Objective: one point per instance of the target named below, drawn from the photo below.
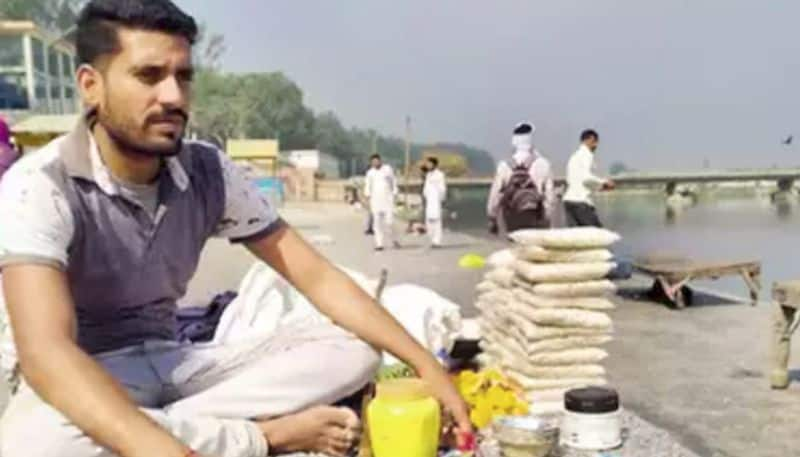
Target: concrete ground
(700, 373)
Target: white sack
(568, 238)
(432, 320)
(563, 372)
(539, 254)
(546, 396)
(562, 272)
(541, 408)
(558, 317)
(266, 301)
(501, 259)
(596, 304)
(486, 286)
(503, 277)
(569, 290)
(583, 356)
(562, 344)
(534, 332)
(529, 384)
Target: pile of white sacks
(544, 307)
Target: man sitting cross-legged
(101, 232)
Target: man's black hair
(98, 21)
(434, 161)
(588, 134)
(523, 129)
(374, 156)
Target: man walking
(435, 192)
(581, 181)
(102, 231)
(381, 189)
(522, 194)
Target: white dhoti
(434, 228)
(435, 191)
(381, 188)
(383, 228)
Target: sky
(669, 84)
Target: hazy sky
(667, 83)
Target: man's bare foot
(324, 429)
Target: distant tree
(617, 168)
(257, 105)
(215, 115)
(451, 163)
(331, 137)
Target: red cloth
(8, 155)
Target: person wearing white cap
(522, 194)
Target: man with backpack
(522, 194)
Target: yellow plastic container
(404, 420)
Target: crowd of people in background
(522, 195)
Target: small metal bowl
(527, 436)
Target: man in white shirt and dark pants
(581, 182)
(435, 192)
(381, 190)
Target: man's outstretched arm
(63, 375)
(341, 299)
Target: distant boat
(788, 141)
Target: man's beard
(119, 132)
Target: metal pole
(408, 157)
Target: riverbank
(698, 374)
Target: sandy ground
(700, 374)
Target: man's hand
(443, 388)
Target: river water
(735, 227)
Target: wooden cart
(673, 274)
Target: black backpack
(521, 196)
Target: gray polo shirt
(127, 266)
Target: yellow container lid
(403, 390)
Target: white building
(37, 72)
(316, 161)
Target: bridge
(785, 176)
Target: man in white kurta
(381, 190)
(435, 192)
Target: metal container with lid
(528, 436)
(592, 419)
